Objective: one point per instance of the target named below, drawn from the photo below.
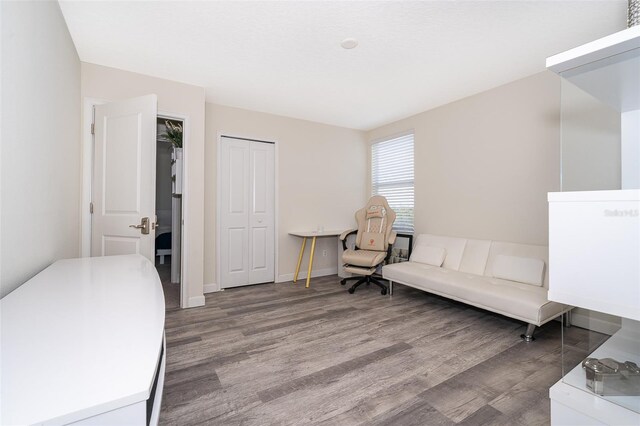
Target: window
(392, 177)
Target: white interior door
(261, 213)
(234, 212)
(124, 176)
(247, 212)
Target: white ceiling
(285, 57)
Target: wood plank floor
(282, 354)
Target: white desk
(313, 235)
(82, 341)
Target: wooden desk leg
(304, 243)
(313, 249)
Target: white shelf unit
(607, 68)
(621, 346)
(594, 250)
(594, 236)
(573, 404)
(83, 343)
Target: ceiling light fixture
(349, 43)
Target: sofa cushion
(521, 269)
(520, 250)
(366, 258)
(474, 258)
(428, 254)
(454, 248)
(405, 272)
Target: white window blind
(392, 177)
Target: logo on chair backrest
(372, 242)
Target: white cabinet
(594, 250)
(594, 226)
(83, 343)
(176, 170)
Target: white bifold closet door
(247, 212)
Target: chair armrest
(344, 235)
(392, 237)
(391, 241)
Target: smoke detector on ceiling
(349, 43)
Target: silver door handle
(143, 227)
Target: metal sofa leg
(390, 288)
(566, 319)
(528, 335)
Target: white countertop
(80, 338)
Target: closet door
(262, 215)
(234, 212)
(247, 212)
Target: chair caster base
(366, 280)
(343, 281)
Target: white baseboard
(303, 275)
(195, 301)
(210, 288)
(595, 324)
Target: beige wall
(321, 173)
(484, 164)
(40, 141)
(173, 98)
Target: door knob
(143, 227)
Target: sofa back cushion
(428, 254)
(474, 258)
(454, 248)
(527, 251)
(521, 269)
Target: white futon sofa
(507, 278)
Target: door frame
(274, 141)
(87, 179)
(185, 196)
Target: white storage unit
(83, 343)
(176, 171)
(594, 250)
(594, 236)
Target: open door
(124, 178)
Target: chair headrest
(375, 211)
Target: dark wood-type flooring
(282, 354)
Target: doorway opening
(119, 217)
(169, 178)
